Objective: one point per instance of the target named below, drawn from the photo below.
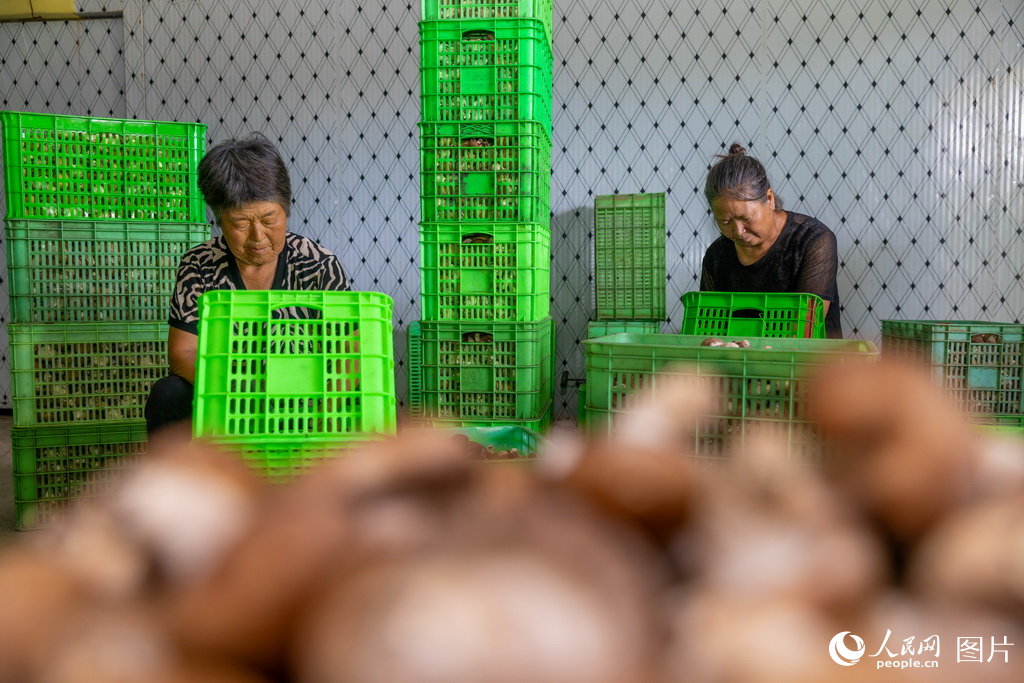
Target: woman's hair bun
(737, 150)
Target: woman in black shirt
(762, 247)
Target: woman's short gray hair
(237, 172)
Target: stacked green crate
(99, 213)
(483, 353)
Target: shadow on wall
(572, 299)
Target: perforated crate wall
(629, 256)
(499, 272)
(980, 365)
(754, 314)
(489, 9)
(484, 373)
(84, 372)
(101, 169)
(275, 366)
(485, 172)
(92, 271)
(57, 468)
(485, 70)
(755, 386)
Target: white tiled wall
(896, 123)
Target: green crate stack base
(84, 372)
(95, 271)
(485, 70)
(72, 167)
(540, 425)
(483, 374)
(753, 314)
(323, 374)
(485, 172)
(756, 386)
(499, 272)
(282, 458)
(447, 10)
(984, 378)
(504, 438)
(56, 469)
(629, 256)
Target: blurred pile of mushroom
(612, 561)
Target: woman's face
(255, 232)
(747, 224)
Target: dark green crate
(629, 256)
(294, 366)
(56, 469)
(755, 386)
(448, 10)
(485, 70)
(84, 372)
(93, 271)
(981, 377)
(483, 373)
(59, 167)
(731, 315)
(485, 172)
(499, 272)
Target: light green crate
(294, 365)
(60, 167)
(629, 256)
(731, 315)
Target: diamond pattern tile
(899, 124)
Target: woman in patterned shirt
(246, 185)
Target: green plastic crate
(753, 314)
(485, 70)
(485, 172)
(755, 386)
(984, 378)
(294, 366)
(504, 438)
(581, 405)
(101, 169)
(483, 373)
(1008, 425)
(56, 469)
(499, 272)
(602, 328)
(488, 9)
(92, 271)
(84, 372)
(629, 256)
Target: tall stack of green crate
(483, 353)
(99, 213)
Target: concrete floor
(7, 533)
